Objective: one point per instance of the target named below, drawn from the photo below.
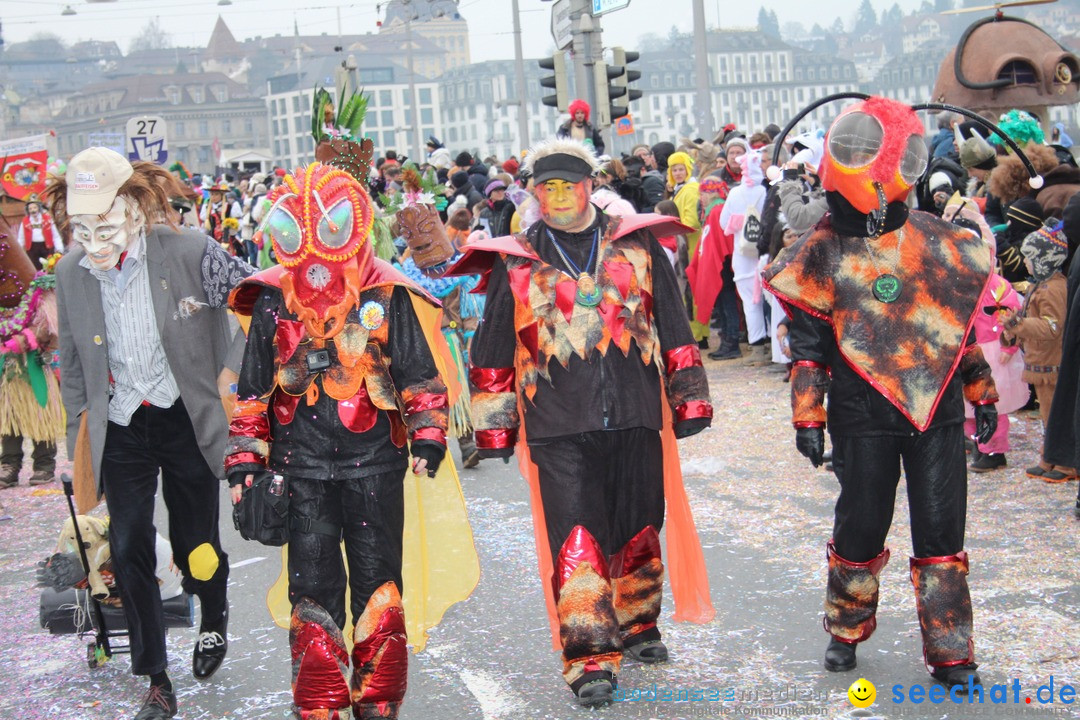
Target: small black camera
(318, 360)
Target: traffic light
(619, 92)
(607, 88)
(558, 81)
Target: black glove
(986, 420)
(810, 442)
(691, 426)
(431, 451)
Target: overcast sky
(190, 22)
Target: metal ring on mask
(1035, 180)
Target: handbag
(262, 514)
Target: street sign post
(561, 25)
(599, 7)
(146, 139)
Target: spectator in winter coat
(460, 181)
(438, 155)
(652, 183)
(579, 128)
(1039, 327)
(476, 170)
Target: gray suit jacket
(181, 264)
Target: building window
(226, 126)
(222, 94)
(298, 125)
(249, 126)
(453, 135)
(174, 96)
(179, 129)
(425, 96)
(427, 116)
(277, 131)
(388, 139)
(387, 118)
(385, 98)
(197, 94)
(204, 128)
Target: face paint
(106, 237)
(562, 203)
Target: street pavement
(764, 515)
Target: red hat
(511, 166)
(579, 104)
(280, 172)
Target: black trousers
(611, 482)
(162, 440)
(371, 514)
(44, 453)
(868, 469)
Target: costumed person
(1006, 363)
(710, 277)
(30, 406)
(585, 360)
(343, 353)
(579, 128)
(216, 215)
(741, 218)
(1039, 326)
(144, 335)
(462, 309)
(39, 239)
(882, 303)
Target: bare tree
(152, 37)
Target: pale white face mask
(106, 237)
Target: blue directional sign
(599, 7)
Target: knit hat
(511, 166)
(1024, 215)
(493, 186)
(463, 159)
(938, 180)
(459, 179)
(1046, 248)
(736, 141)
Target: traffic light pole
(519, 81)
(587, 49)
(703, 98)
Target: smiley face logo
(862, 693)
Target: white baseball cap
(93, 178)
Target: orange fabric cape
(684, 558)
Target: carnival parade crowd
(312, 336)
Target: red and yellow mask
(875, 145)
(319, 223)
(563, 203)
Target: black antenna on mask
(1034, 180)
